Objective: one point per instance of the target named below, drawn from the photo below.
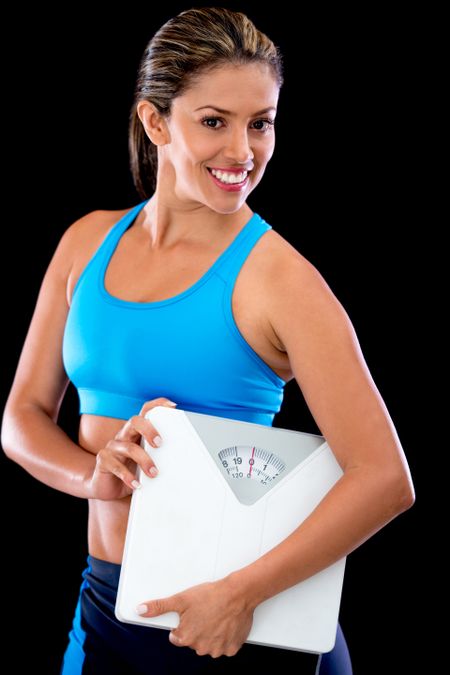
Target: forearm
(359, 505)
(33, 440)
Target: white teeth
(230, 178)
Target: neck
(169, 221)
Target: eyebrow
(228, 112)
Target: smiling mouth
(229, 177)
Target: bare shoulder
(281, 257)
(81, 240)
(293, 285)
(90, 229)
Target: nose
(238, 147)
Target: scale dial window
(250, 470)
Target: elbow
(7, 445)
(405, 498)
(402, 495)
(408, 497)
(9, 435)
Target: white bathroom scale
(227, 492)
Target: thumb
(160, 606)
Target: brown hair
(188, 45)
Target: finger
(108, 464)
(152, 436)
(148, 405)
(138, 425)
(127, 450)
(135, 428)
(161, 606)
(175, 639)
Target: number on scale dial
(251, 463)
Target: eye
(210, 122)
(210, 119)
(269, 123)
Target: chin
(231, 208)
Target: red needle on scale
(251, 465)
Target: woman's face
(222, 122)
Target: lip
(229, 169)
(236, 187)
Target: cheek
(199, 146)
(267, 150)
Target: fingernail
(171, 403)
(141, 609)
(135, 484)
(153, 471)
(157, 440)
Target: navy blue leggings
(99, 644)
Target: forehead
(231, 86)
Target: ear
(153, 122)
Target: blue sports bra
(120, 354)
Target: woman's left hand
(215, 617)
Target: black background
(342, 187)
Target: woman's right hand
(114, 474)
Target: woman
(191, 297)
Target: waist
(107, 572)
(107, 526)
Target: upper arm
(40, 378)
(330, 369)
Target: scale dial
(248, 462)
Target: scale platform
(227, 492)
